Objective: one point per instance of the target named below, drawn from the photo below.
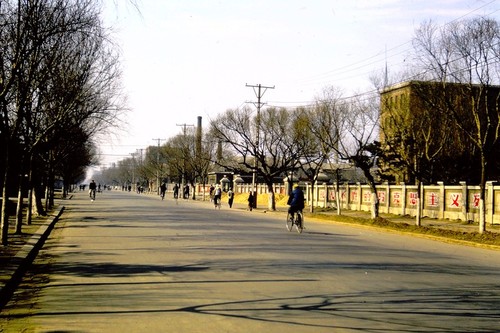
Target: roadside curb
(24, 257)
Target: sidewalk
(21, 251)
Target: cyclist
(92, 188)
(163, 189)
(296, 201)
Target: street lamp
(224, 183)
(237, 180)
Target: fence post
(325, 196)
(465, 201)
(490, 201)
(403, 198)
(387, 199)
(441, 200)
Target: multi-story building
(427, 125)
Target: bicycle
(217, 201)
(296, 219)
(92, 194)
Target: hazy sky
(187, 58)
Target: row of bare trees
(333, 129)
(58, 88)
(455, 134)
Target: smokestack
(198, 137)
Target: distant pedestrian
(230, 198)
(92, 189)
(212, 189)
(250, 201)
(217, 196)
(163, 189)
(176, 191)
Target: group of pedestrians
(216, 196)
(175, 190)
(295, 200)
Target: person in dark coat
(250, 201)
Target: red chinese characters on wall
(476, 198)
(396, 198)
(381, 197)
(332, 196)
(433, 199)
(354, 196)
(412, 198)
(455, 200)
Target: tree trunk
(19, 207)
(5, 212)
(38, 207)
(5, 202)
(482, 201)
(29, 208)
(337, 192)
(337, 199)
(373, 189)
(418, 215)
(375, 205)
(271, 204)
(311, 207)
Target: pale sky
(187, 58)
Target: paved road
(134, 263)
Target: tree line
(453, 137)
(59, 88)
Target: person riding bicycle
(296, 200)
(163, 189)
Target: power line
(376, 58)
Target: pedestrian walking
(250, 201)
(230, 198)
(163, 189)
(176, 191)
(212, 189)
(92, 189)
(217, 197)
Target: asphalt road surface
(133, 263)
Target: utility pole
(140, 167)
(184, 128)
(259, 91)
(158, 165)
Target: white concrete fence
(454, 202)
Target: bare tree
(275, 152)
(327, 121)
(60, 75)
(415, 137)
(463, 57)
(358, 139)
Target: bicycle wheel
(289, 222)
(299, 220)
